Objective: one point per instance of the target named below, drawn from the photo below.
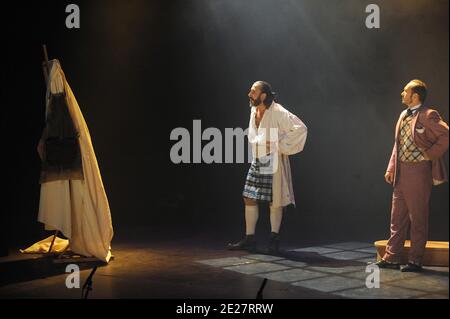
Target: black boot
(387, 264)
(411, 267)
(274, 244)
(248, 243)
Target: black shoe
(386, 264)
(248, 243)
(274, 244)
(410, 267)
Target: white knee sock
(251, 217)
(276, 215)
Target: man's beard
(255, 102)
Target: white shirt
(290, 139)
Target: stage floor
(193, 268)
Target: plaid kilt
(258, 186)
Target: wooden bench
(436, 252)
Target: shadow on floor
(37, 266)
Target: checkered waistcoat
(407, 149)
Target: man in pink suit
(421, 139)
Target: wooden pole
(45, 64)
(53, 241)
(46, 70)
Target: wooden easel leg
(53, 241)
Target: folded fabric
(59, 246)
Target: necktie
(409, 112)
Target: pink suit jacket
(430, 134)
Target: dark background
(141, 68)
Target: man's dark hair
(420, 88)
(267, 88)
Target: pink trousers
(410, 208)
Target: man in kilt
(274, 134)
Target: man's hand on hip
(389, 177)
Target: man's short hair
(420, 88)
(265, 87)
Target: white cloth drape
(78, 208)
(287, 137)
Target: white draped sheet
(78, 208)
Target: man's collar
(414, 108)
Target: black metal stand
(87, 287)
(259, 295)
